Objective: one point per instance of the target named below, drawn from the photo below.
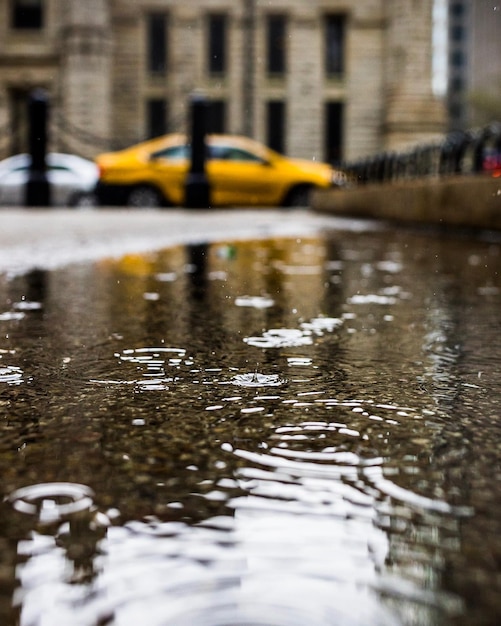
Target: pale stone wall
(365, 89)
(304, 80)
(84, 90)
(413, 114)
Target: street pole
(37, 189)
(197, 185)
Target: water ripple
(11, 375)
(51, 502)
(152, 363)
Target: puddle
(274, 432)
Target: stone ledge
(466, 201)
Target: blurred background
(330, 80)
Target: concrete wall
(471, 201)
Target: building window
(456, 113)
(457, 33)
(276, 44)
(457, 9)
(457, 58)
(156, 117)
(334, 132)
(17, 101)
(27, 14)
(275, 125)
(217, 43)
(156, 41)
(217, 116)
(335, 26)
(456, 84)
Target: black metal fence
(461, 152)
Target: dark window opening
(456, 84)
(276, 44)
(27, 14)
(334, 44)
(457, 33)
(457, 58)
(217, 44)
(156, 39)
(457, 9)
(18, 106)
(156, 120)
(217, 117)
(334, 132)
(275, 125)
(456, 111)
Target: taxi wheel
(299, 196)
(144, 197)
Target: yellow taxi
(240, 172)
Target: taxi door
(240, 178)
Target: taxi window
(173, 153)
(230, 153)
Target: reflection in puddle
(281, 338)
(27, 305)
(276, 432)
(11, 375)
(258, 302)
(11, 315)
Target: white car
(72, 180)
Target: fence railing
(461, 152)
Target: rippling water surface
(280, 432)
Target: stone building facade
(474, 72)
(322, 79)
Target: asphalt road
(50, 238)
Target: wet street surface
(275, 430)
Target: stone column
(85, 88)
(304, 86)
(187, 60)
(365, 78)
(413, 113)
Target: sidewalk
(49, 238)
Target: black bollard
(37, 191)
(197, 191)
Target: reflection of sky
(439, 69)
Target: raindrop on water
(255, 379)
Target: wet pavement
(51, 238)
